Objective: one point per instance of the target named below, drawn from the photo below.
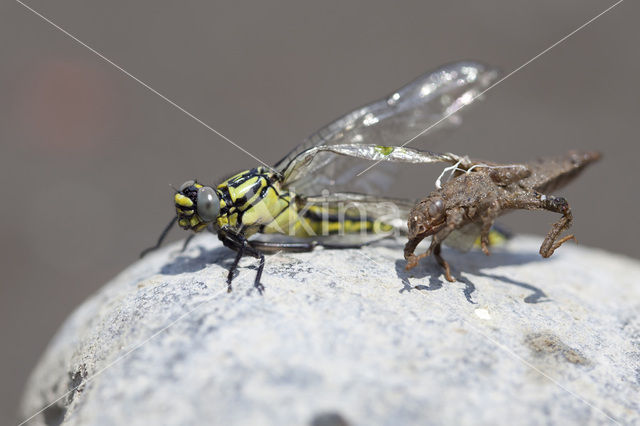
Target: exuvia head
(196, 205)
(427, 218)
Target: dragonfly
(312, 197)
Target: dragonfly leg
(537, 201)
(443, 263)
(412, 258)
(186, 242)
(506, 175)
(455, 218)
(234, 266)
(239, 243)
(488, 217)
(409, 252)
(436, 243)
(163, 235)
(256, 282)
(558, 205)
(277, 246)
(299, 246)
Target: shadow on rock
(422, 271)
(182, 262)
(433, 272)
(504, 258)
(468, 262)
(537, 295)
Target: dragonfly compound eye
(208, 204)
(436, 208)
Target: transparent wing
(306, 164)
(278, 242)
(464, 238)
(468, 237)
(390, 211)
(397, 118)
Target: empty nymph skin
(485, 191)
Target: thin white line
(592, 332)
(123, 356)
(126, 354)
(145, 85)
(500, 81)
(360, 251)
(534, 368)
(525, 362)
(519, 358)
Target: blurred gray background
(87, 153)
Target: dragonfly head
(427, 217)
(196, 205)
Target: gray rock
(350, 337)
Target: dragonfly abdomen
(315, 220)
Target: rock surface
(350, 337)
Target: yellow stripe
(183, 201)
(256, 197)
(495, 238)
(265, 210)
(245, 189)
(233, 220)
(223, 220)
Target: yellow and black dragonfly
(301, 199)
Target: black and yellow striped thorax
(250, 200)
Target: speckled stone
(349, 337)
